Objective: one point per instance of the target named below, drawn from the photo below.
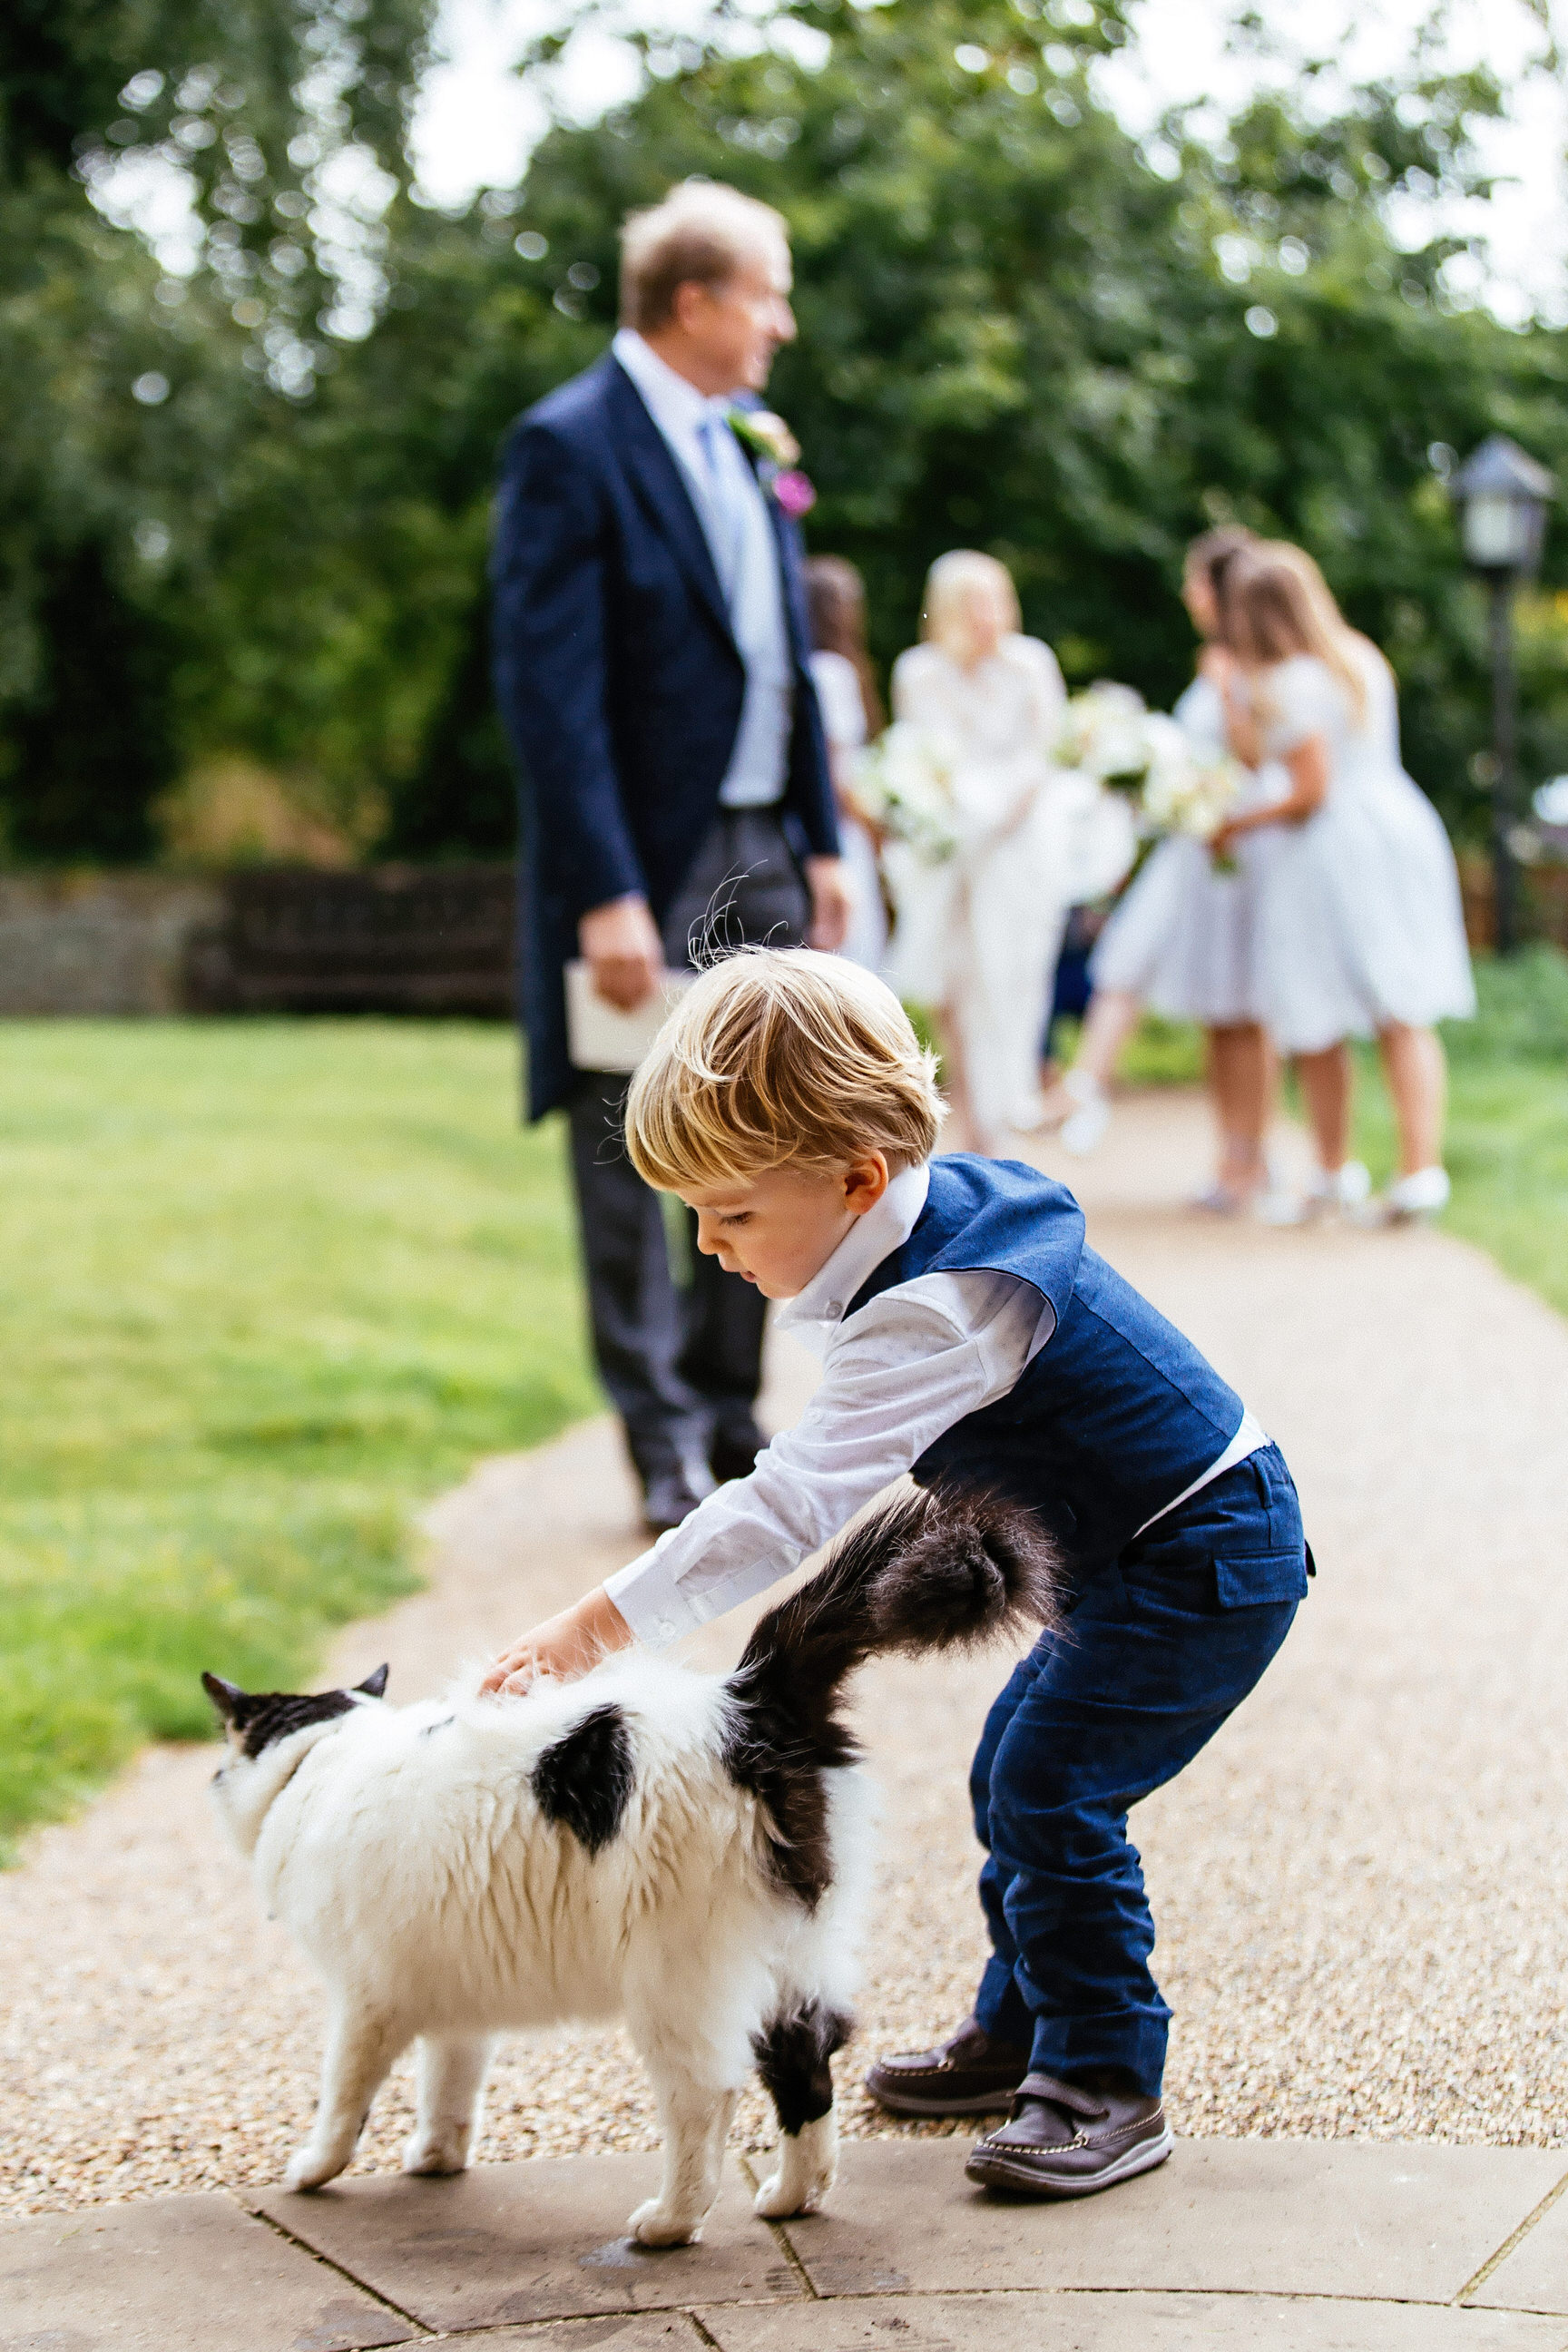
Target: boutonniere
(770, 440)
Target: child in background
(968, 1334)
(851, 716)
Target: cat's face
(258, 1724)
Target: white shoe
(1085, 1131)
(1349, 1186)
(1280, 1208)
(1218, 1201)
(1412, 1198)
(1339, 1194)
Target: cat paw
(779, 2200)
(436, 2152)
(654, 2225)
(312, 2169)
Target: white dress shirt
(730, 507)
(902, 1368)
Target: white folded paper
(600, 1036)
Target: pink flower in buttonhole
(794, 491)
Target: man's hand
(621, 946)
(832, 902)
(563, 1647)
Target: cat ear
(225, 1696)
(374, 1685)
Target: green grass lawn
(266, 1286)
(1508, 1128)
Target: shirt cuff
(651, 1601)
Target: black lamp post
(1502, 497)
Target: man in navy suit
(651, 662)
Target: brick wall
(100, 944)
(383, 940)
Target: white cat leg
(451, 2101)
(696, 2126)
(360, 2046)
(807, 2168)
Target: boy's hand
(563, 1647)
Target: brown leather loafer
(969, 2075)
(1069, 2139)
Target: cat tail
(943, 1569)
(937, 1570)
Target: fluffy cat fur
(688, 1851)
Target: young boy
(965, 1332)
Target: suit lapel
(646, 455)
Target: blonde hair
(703, 232)
(950, 583)
(777, 1056)
(1278, 604)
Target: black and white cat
(688, 1851)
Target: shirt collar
(671, 398)
(815, 1312)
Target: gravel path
(1362, 1906)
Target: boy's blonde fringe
(781, 1057)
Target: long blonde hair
(1277, 604)
(949, 584)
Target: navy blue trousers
(1160, 1649)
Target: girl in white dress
(1183, 940)
(851, 715)
(1361, 932)
(977, 935)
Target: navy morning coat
(1117, 1415)
(619, 681)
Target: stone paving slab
(526, 2241)
(1534, 2277)
(1252, 2217)
(176, 2274)
(1115, 2322)
(668, 2331)
(1315, 2246)
(1230, 2216)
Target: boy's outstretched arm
(565, 1646)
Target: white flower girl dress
(1360, 922)
(1183, 940)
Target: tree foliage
(136, 399)
(1021, 329)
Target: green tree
(1022, 330)
(131, 394)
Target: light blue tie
(712, 434)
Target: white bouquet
(1111, 736)
(1192, 796)
(1105, 734)
(903, 782)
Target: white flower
(1190, 795)
(1108, 734)
(904, 783)
(1105, 733)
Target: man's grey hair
(703, 231)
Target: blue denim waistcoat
(1118, 1413)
